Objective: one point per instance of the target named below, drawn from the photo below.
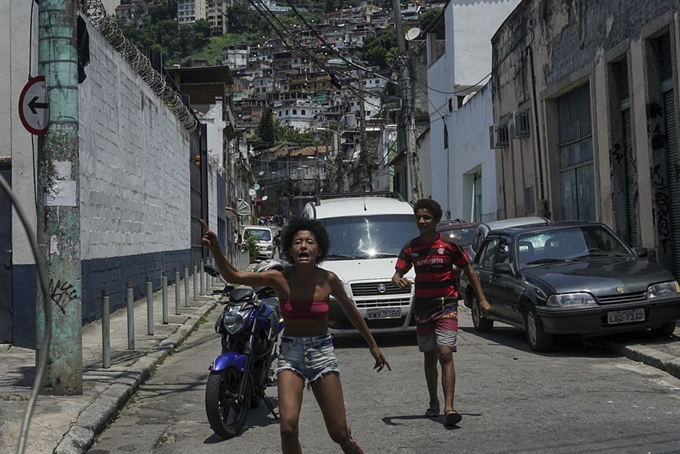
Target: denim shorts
(309, 357)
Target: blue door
(5, 261)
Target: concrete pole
(59, 205)
(407, 120)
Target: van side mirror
(503, 268)
(641, 252)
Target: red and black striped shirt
(433, 263)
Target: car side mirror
(503, 268)
(641, 252)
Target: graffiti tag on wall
(62, 293)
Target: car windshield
(461, 235)
(259, 234)
(369, 236)
(568, 244)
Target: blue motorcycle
(249, 325)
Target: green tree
(266, 129)
(382, 48)
(428, 16)
(160, 10)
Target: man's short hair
(431, 205)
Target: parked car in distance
(570, 278)
(483, 229)
(265, 240)
(462, 233)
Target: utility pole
(407, 120)
(59, 204)
(338, 160)
(365, 173)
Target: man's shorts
(437, 329)
(309, 357)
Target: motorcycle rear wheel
(226, 410)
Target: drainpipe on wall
(59, 204)
(544, 207)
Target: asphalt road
(576, 399)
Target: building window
(576, 155)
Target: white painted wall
(134, 195)
(215, 124)
(467, 60)
(15, 141)
(474, 24)
(110, 6)
(470, 152)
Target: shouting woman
(307, 353)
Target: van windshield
(259, 234)
(369, 236)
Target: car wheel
(482, 325)
(665, 330)
(539, 340)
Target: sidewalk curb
(104, 408)
(648, 356)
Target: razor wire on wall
(108, 27)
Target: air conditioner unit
(498, 136)
(520, 126)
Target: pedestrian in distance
(432, 256)
(307, 353)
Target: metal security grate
(373, 289)
(626, 298)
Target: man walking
(432, 256)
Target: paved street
(577, 399)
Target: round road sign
(34, 110)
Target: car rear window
(461, 235)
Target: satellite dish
(256, 187)
(252, 192)
(265, 198)
(412, 34)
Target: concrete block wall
(134, 182)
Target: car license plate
(627, 316)
(372, 314)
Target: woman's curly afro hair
(311, 225)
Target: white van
(367, 233)
(265, 240)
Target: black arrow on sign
(34, 104)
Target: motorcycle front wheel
(225, 408)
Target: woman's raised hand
(209, 237)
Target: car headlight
(270, 247)
(569, 300)
(235, 318)
(663, 290)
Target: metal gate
(199, 190)
(673, 160)
(576, 155)
(5, 261)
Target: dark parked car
(570, 278)
(483, 229)
(462, 233)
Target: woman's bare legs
(328, 393)
(290, 388)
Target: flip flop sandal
(453, 417)
(432, 413)
(358, 449)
